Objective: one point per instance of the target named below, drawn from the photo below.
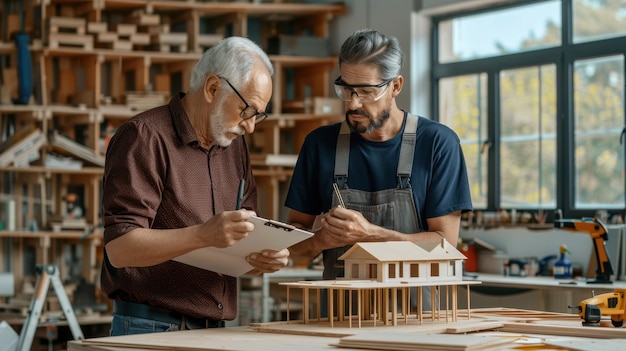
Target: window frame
(563, 57)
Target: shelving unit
(97, 63)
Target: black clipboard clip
(279, 225)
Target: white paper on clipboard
(267, 234)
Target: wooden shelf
(74, 235)
(96, 171)
(81, 91)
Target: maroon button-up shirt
(157, 176)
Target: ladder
(49, 274)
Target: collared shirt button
(220, 306)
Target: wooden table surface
(505, 329)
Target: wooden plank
(172, 38)
(234, 338)
(122, 45)
(141, 18)
(208, 40)
(84, 41)
(77, 24)
(545, 329)
(126, 29)
(97, 27)
(140, 38)
(425, 342)
(107, 37)
(468, 327)
(581, 344)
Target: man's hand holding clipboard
(261, 251)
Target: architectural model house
(376, 271)
(404, 261)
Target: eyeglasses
(249, 111)
(365, 92)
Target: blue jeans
(127, 325)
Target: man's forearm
(305, 250)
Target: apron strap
(407, 150)
(342, 156)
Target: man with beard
(171, 184)
(401, 177)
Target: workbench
(510, 329)
(544, 293)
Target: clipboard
(267, 234)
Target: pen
(240, 194)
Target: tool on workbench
(49, 275)
(562, 268)
(544, 265)
(599, 235)
(518, 267)
(611, 304)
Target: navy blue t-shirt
(438, 178)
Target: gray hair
(232, 58)
(371, 47)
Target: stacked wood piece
(125, 36)
(166, 41)
(68, 31)
(138, 31)
(131, 34)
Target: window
(392, 270)
(598, 123)
(518, 29)
(355, 271)
(598, 19)
(528, 137)
(463, 107)
(414, 270)
(372, 270)
(535, 91)
(434, 269)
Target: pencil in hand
(240, 194)
(338, 194)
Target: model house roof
(390, 251)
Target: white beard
(219, 131)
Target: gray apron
(393, 209)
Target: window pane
(507, 31)
(598, 121)
(463, 107)
(528, 137)
(598, 19)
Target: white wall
(401, 18)
(391, 17)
